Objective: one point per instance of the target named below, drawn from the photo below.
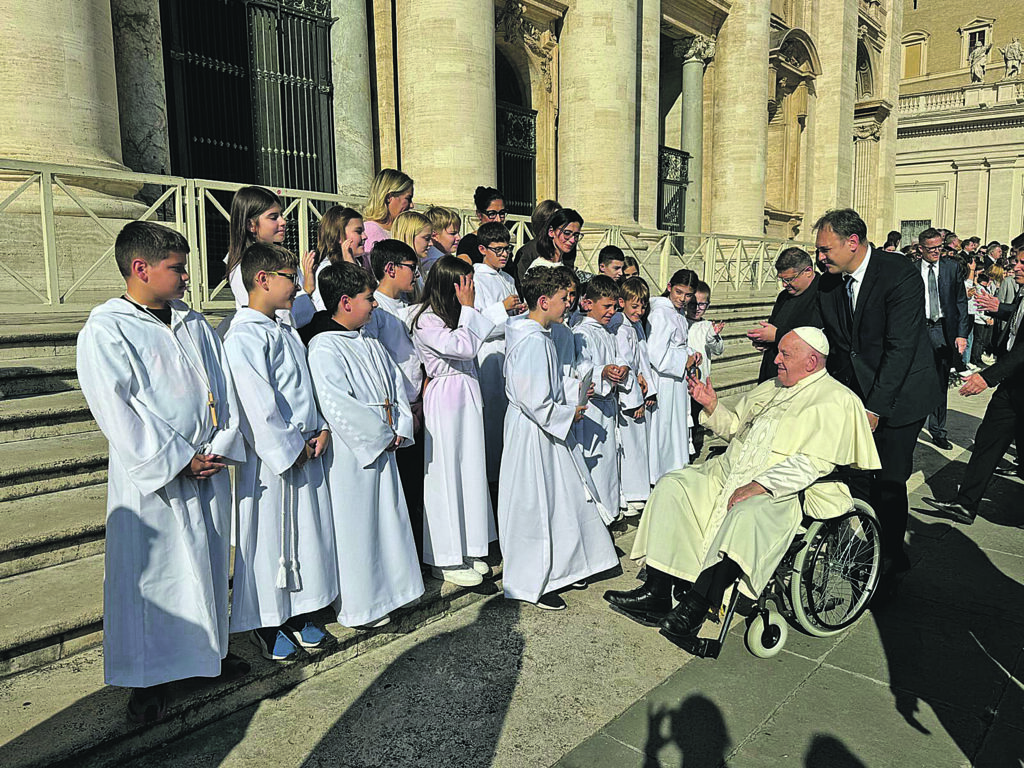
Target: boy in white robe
(551, 531)
(284, 553)
(496, 299)
(152, 372)
(362, 395)
(633, 424)
(597, 432)
(568, 348)
(705, 338)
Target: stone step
(45, 336)
(30, 376)
(51, 529)
(60, 413)
(47, 464)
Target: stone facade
(783, 106)
(960, 151)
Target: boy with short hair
(612, 377)
(282, 478)
(362, 395)
(568, 348)
(706, 339)
(496, 299)
(611, 262)
(631, 341)
(444, 236)
(550, 526)
(153, 373)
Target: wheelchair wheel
(766, 634)
(835, 575)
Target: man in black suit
(872, 307)
(946, 318)
(1004, 417)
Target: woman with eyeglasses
(557, 245)
(490, 207)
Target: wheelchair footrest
(702, 647)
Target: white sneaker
(458, 574)
(634, 509)
(478, 565)
(383, 621)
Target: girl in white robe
(165, 592)
(458, 520)
(552, 530)
(670, 354)
(284, 554)
(362, 395)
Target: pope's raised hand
(703, 393)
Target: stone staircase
(52, 510)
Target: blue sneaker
(306, 633)
(274, 644)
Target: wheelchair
(823, 584)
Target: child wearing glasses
(490, 208)
(496, 298)
(285, 526)
(705, 339)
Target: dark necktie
(933, 294)
(850, 282)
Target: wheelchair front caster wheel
(766, 634)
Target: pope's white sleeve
(792, 474)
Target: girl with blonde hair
(390, 195)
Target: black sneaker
(551, 602)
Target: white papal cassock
(165, 587)
(784, 438)
(458, 521)
(551, 530)
(360, 389)
(668, 347)
(284, 553)
(492, 288)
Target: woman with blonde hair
(340, 239)
(390, 195)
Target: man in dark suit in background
(872, 307)
(946, 318)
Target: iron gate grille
(673, 176)
(517, 156)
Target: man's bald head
(797, 359)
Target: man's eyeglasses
(790, 280)
(933, 247)
(506, 251)
(414, 268)
(495, 214)
(293, 276)
(574, 236)
(702, 304)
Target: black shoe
(685, 619)
(148, 705)
(1012, 472)
(943, 443)
(640, 604)
(551, 602)
(955, 511)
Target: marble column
(446, 97)
(741, 120)
(696, 52)
(353, 122)
(58, 86)
(648, 114)
(597, 121)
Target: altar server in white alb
(496, 298)
(634, 425)
(575, 368)
(671, 356)
(153, 373)
(551, 530)
(458, 520)
(362, 395)
(613, 382)
(284, 553)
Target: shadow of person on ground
(826, 751)
(441, 703)
(695, 728)
(952, 637)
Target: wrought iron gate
(673, 176)
(517, 157)
(249, 91)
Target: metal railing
(56, 249)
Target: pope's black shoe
(686, 618)
(956, 512)
(642, 605)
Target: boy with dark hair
(362, 395)
(549, 522)
(568, 347)
(612, 378)
(496, 299)
(611, 262)
(152, 371)
(705, 339)
(283, 474)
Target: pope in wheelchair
(734, 516)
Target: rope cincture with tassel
(289, 502)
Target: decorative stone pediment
(532, 25)
(793, 65)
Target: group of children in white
(572, 424)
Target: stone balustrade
(1006, 93)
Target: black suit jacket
(882, 351)
(956, 322)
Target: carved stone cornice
(695, 48)
(872, 131)
(513, 25)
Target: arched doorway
(516, 139)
